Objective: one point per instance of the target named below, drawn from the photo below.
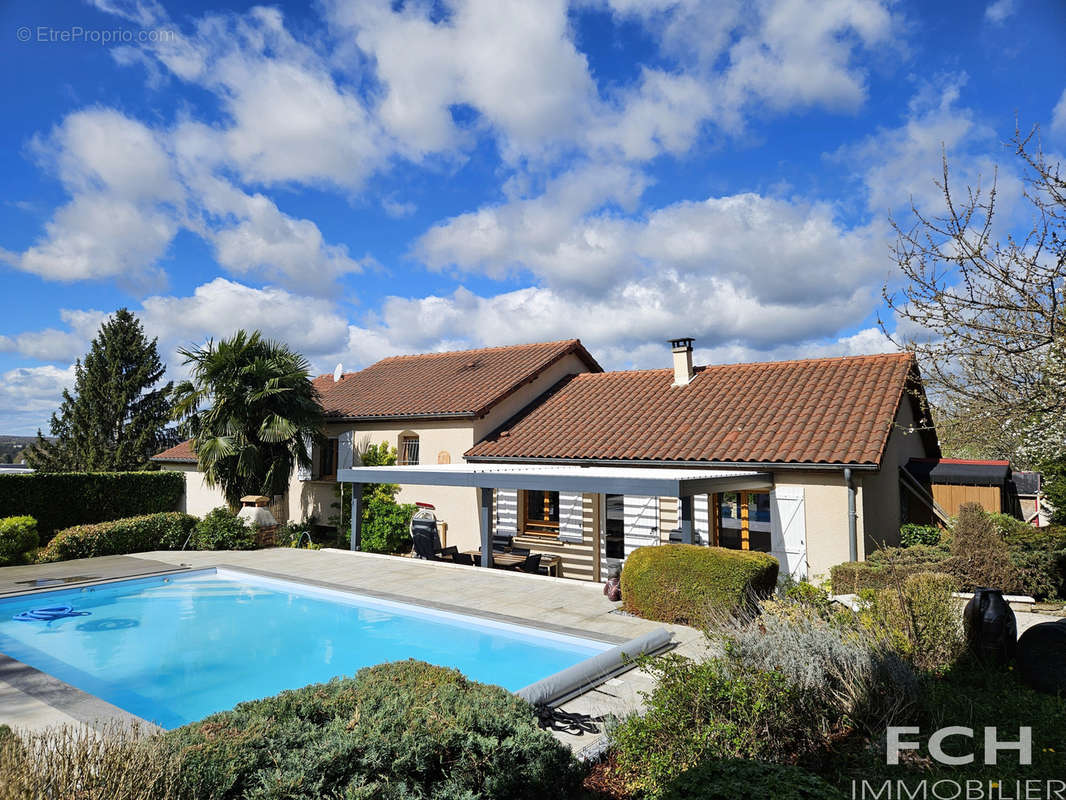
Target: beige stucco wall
(881, 490)
(199, 497)
(524, 395)
(825, 508)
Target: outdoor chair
(465, 559)
(426, 540)
(531, 564)
(520, 551)
(501, 544)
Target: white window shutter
(345, 450)
(507, 512)
(571, 507)
(788, 530)
(700, 520)
(303, 473)
(641, 525)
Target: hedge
(691, 584)
(18, 535)
(58, 500)
(852, 577)
(167, 531)
(399, 730)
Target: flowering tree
(985, 314)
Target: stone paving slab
(17, 580)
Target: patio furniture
(549, 564)
(465, 559)
(531, 564)
(520, 551)
(501, 544)
(426, 540)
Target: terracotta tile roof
(819, 411)
(466, 382)
(179, 452)
(461, 382)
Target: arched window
(408, 448)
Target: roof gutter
(853, 535)
(647, 462)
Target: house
(798, 458)
(1029, 486)
(432, 408)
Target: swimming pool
(173, 649)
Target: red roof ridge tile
(900, 354)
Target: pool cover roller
(593, 671)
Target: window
(744, 521)
(540, 513)
(614, 524)
(327, 459)
(408, 448)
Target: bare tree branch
(985, 315)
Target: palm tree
(251, 410)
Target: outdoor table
(553, 564)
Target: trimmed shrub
(386, 526)
(132, 535)
(911, 535)
(703, 710)
(1022, 537)
(919, 619)
(730, 779)
(883, 566)
(855, 577)
(1038, 554)
(918, 554)
(979, 554)
(60, 500)
(18, 535)
(400, 730)
(222, 529)
(1009, 526)
(1042, 573)
(694, 585)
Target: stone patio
(31, 699)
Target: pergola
(683, 484)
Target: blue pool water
(175, 649)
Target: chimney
(682, 350)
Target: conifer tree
(115, 419)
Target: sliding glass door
(744, 521)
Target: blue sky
(364, 178)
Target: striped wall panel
(641, 522)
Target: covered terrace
(684, 484)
